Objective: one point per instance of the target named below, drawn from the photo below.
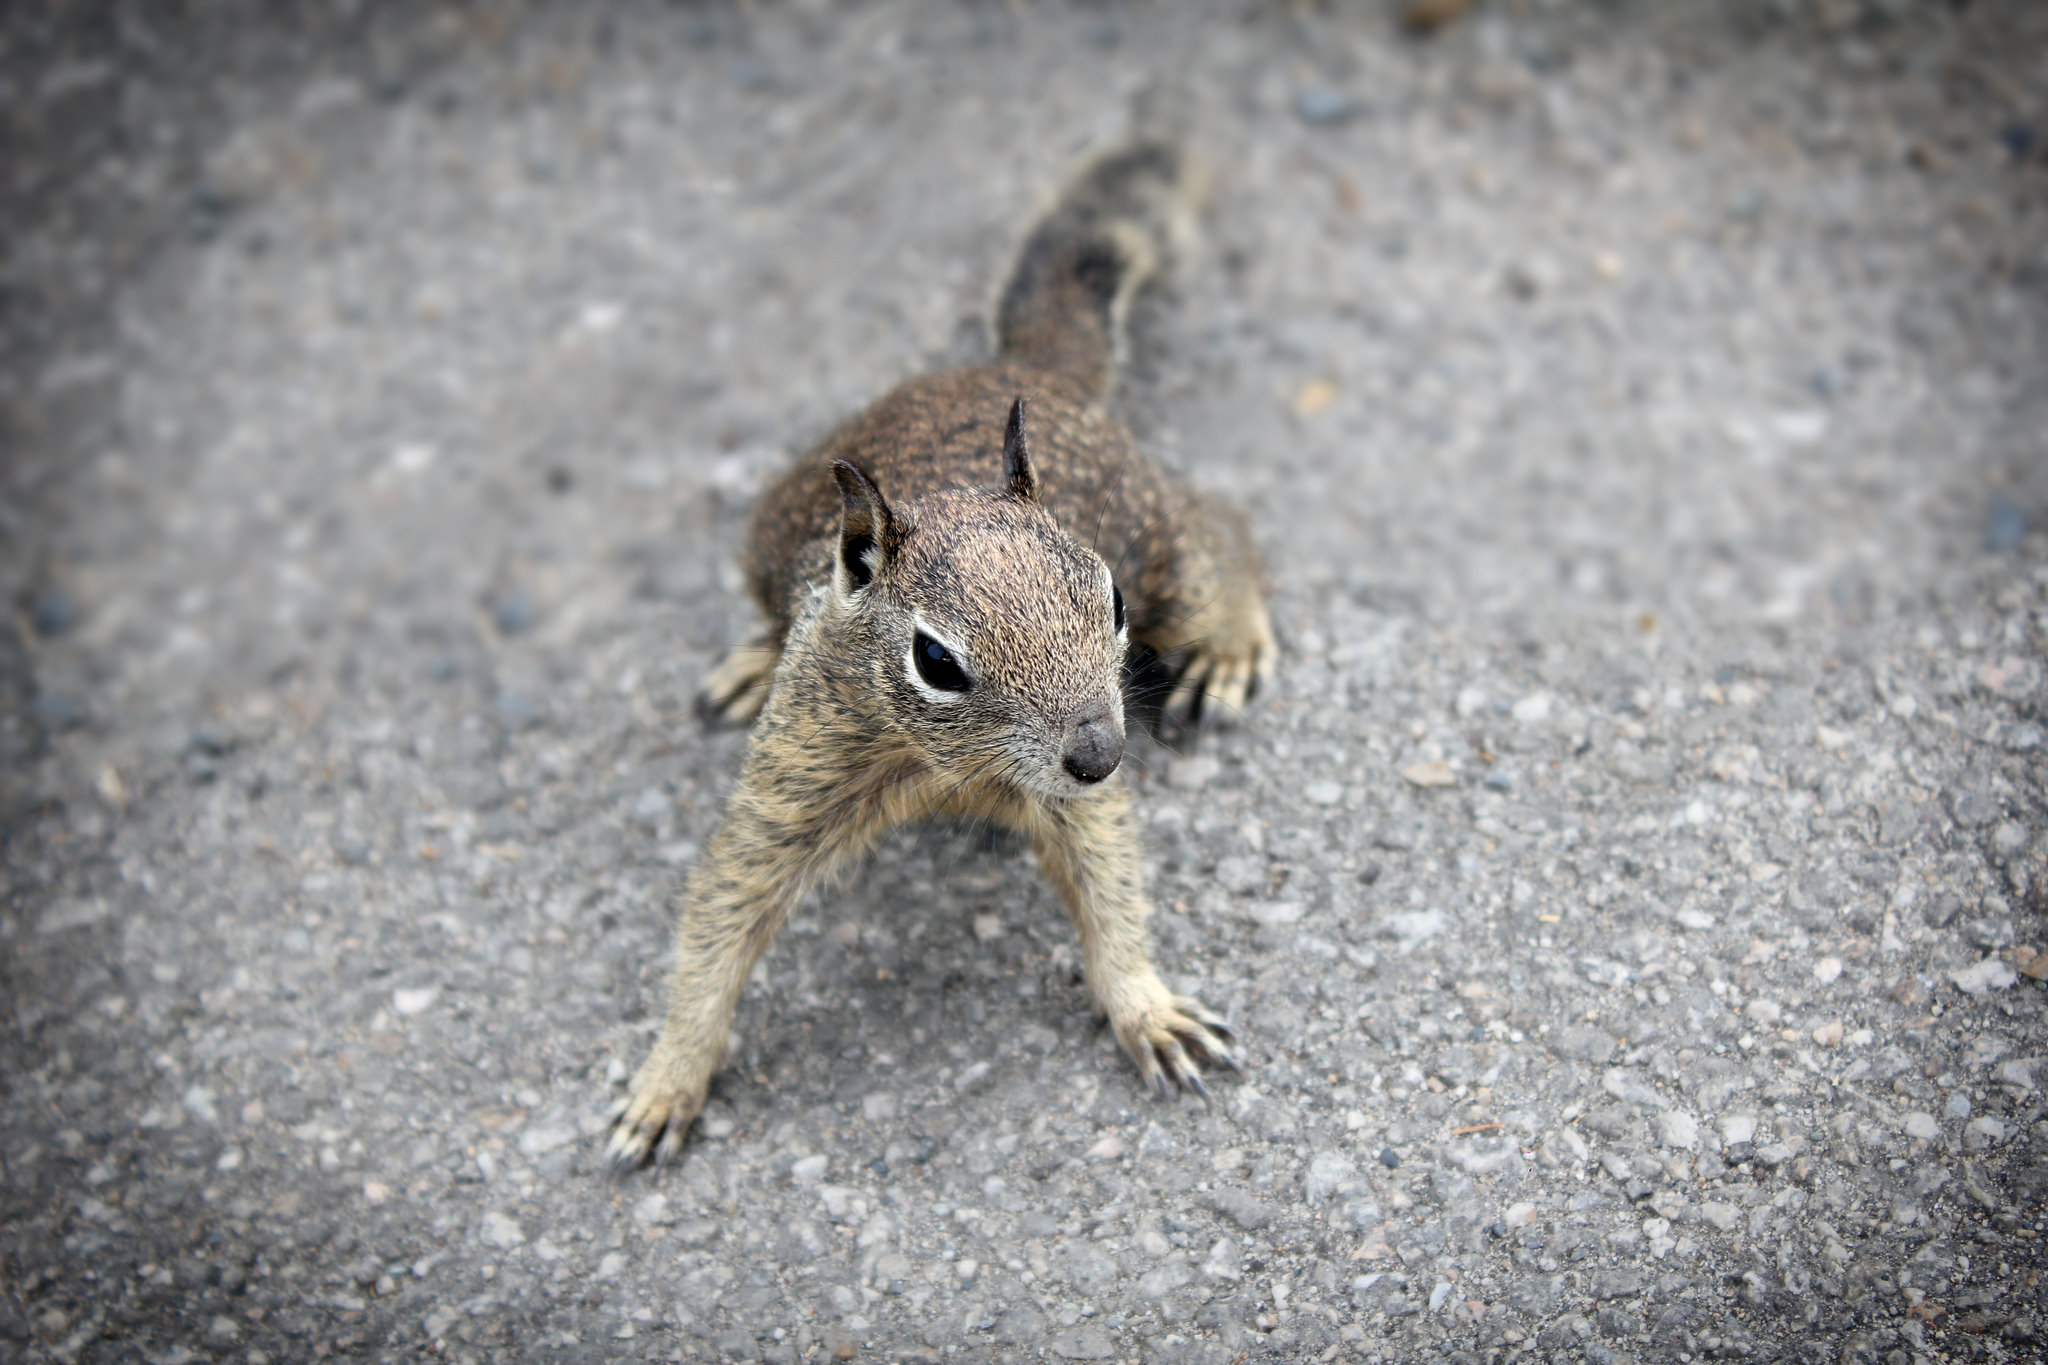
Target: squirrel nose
(1094, 749)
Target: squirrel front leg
(737, 902)
(786, 830)
(1089, 852)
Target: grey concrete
(1625, 901)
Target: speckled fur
(926, 512)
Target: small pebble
(53, 613)
(58, 712)
(1725, 1217)
(212, 741)
(1827, 1035)
(1321, 107)
(1222, 1262)
(515, 712)
(1827, 971)
(1243, 875)
(1277, 912)
(1389, 1158)
(1395, 836)
(1313, 397)
(2005, 525)
(1992, 974)
(1990, 932)
(1983, 1131)
(513, 612)
(1676, 1128)
(1423, 17)
(1435, 773)
(501, 1230)
(1923, 1127)
(2010, 676)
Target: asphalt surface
(1628, 902)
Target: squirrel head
(997, 639)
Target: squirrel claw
(735, 691)
(1182, 712)
(633, 1147)
(624, 1153)
(1171, 1043)
(1182, 1068)
(649, 1127)
(1212, 690)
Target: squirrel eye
(1116, 597)
(937, 666)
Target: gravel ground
(1628, 902)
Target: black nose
(1094, 749)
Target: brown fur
(892, 536)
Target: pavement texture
(1628, 902)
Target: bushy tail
(1116, 227)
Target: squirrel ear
(867, 529)
(1018, 474)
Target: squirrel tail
(1115, 228)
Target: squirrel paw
(650, 1124)
(1167, 1036)
(1219, 678)
(738, 688)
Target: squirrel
(951, 600)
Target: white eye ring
(945, 696)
